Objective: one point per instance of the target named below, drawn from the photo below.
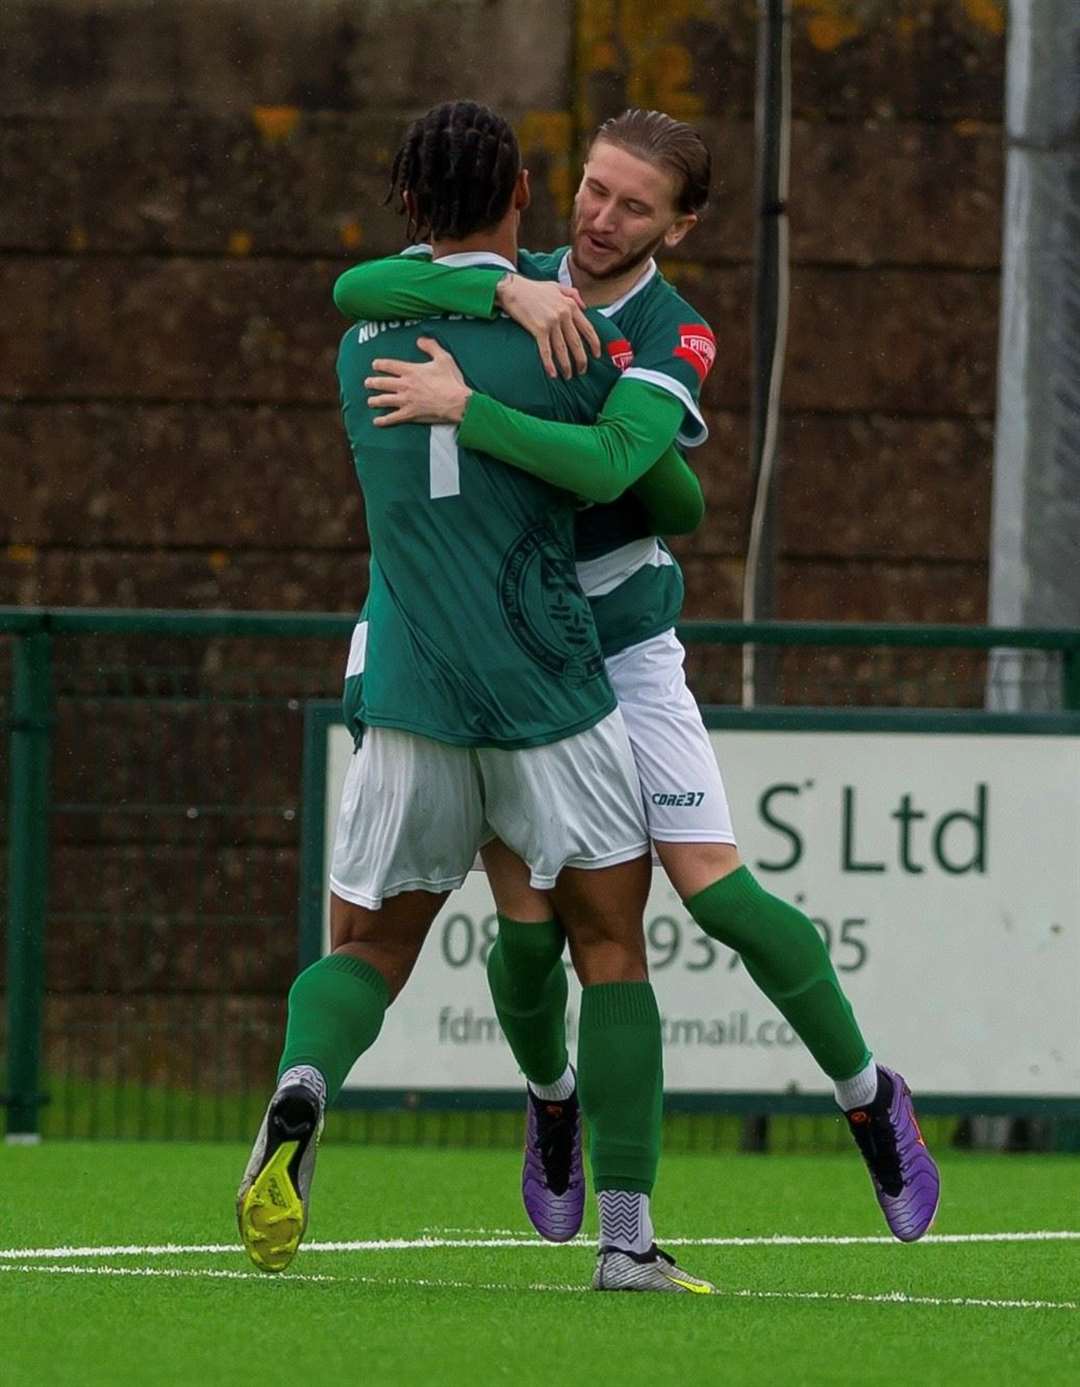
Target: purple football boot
(902, 1171)
(552, 1180)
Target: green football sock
(336, 1009)
(528, 986)
(621, 1083)
(785, 956)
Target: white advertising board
(943, 871)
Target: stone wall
(183, 180)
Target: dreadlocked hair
(669, 143)
(459, 164)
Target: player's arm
(413, 286)
(671, 495)
(675, 352)
(599, 461)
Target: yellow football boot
(272, 1201)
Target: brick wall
(183, 181)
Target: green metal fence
(152, 820)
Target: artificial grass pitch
(450, 1310)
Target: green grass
(449, 1315)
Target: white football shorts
(414, 812)
(685, 800)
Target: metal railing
(152, 831)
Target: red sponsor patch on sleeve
(621, 353)
(698, 346)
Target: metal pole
(773, 124)
(1035, 534)
(1035, 540)
(28, 868)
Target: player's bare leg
(388, 939)
(692, 867)
(336, 1010)
(601, 912)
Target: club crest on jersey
(698, 346)
(621, 353)
(545, 610)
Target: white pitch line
(410, 1244)
(786, 1240)
(903, 1298)
(166, 1272)
(845, 1297)
(435, 1229)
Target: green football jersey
(630, 576)
(477, 632)
(635, 585)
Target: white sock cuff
(858, 1091)
(559, 1091)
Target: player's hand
(418, 392)
(555, 316)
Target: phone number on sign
(671, 942)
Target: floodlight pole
(772, 129)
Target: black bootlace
(555, 1133)
(876, 1139)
